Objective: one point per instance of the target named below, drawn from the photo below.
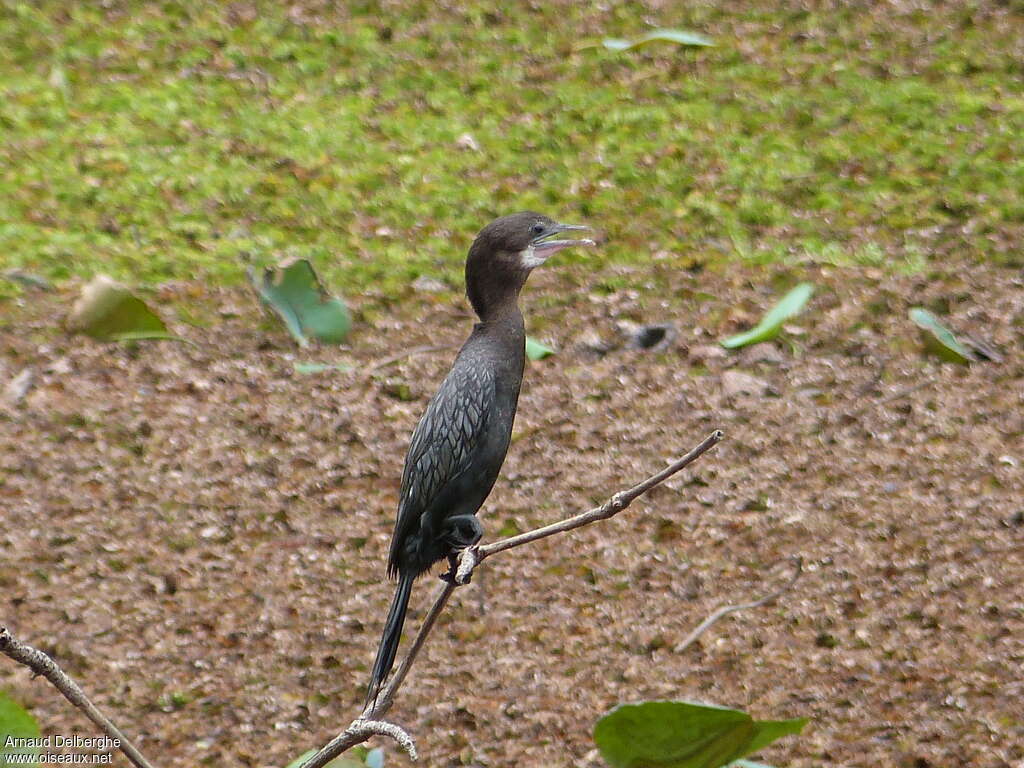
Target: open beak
(546, 244)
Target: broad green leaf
(108, 311)
(791, 304)
(678, 36)
(767, 731)
(357, 757)
(535, 350)
(307, 368)
(17, 726)
(298, 298)
(680, 734)
(939, 340)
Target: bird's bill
(543, 245)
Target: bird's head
(507, 250)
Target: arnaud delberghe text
(96, 743)
(102, 745)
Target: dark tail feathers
(389, 640)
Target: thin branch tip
(359, 731)
(368, 723)
(41, 665)
(725, 610)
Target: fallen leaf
(939, 340)
(680, 734)
(677, 36)
(425, 284)
(791, 304)
(109, 311)
(467, 141)
(535, 350)
(18, 728)
(296, 295)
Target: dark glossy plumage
(453, 459)
(460, 442)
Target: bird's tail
(389, 640)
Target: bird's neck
(503, 323)
(502, 311)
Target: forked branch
(368, 723)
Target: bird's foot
(451, 575)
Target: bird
(459, 445)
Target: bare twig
(725, 610)
(43, 665)
(610, 508)
(411, 352)
(357, 732)
(387, 697)
(367, 724)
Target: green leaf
(18, 725)
(678, 36)
(680, 734)
(294, 292)
(791, 304)
(768, 731)
(357, 757)
(535, 350)
(939, 340)
(307, 368)
(108, 311)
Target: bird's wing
(442, 445)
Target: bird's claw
(451, 576)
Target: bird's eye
(537, 229)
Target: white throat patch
(529, 257)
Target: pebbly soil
(198, 533)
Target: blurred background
(197, 531)
(164, 140)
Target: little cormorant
(461, 440)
